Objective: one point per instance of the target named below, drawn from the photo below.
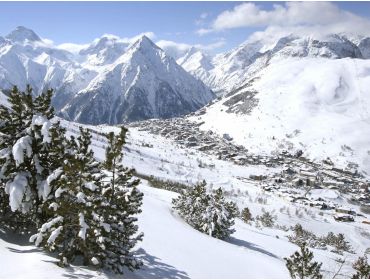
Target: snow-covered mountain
(27, 59)
(314, 104)
(104, 50)
(196, 63)
(227, 71)
(143, 83)
(109, 81)
(297, 93)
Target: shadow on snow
(250, 246)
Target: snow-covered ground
(318, 105)
(172, 249)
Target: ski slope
(171, 248)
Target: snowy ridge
(109, 81)
(229, 70)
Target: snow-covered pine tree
(191, 205)
(219, 216)
(24, 128)
(362, 268)
(72, 202)
(207, 212)
(302, 266)
(118, 214)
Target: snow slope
(171, 248)
(315, 104)
(180, 252)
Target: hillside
(183, 252)
(316, 105)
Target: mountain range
(106, 82)
(227, 71)
(298, 92)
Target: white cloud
(130, 40)
(202, 19)
(47, 42)
(71, 47)
(172, 48)
(76, 48)
(324, 17)
(177, 50)
(204, 31)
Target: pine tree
(207, 212)
(191, 205)
(119, 212)
(74, 198)
(24, 144)
(219, 215)
(302, 266)
(362, 268)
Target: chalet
(344, 218)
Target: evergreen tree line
(51, 185)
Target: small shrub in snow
(207, 212)
(246, 215)
(267, 219)
(261, 200)
(302, 266)
(300, 236)
(362, 268)
(339, 243)
(163, 184)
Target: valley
(282, 128)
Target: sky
(175, 26)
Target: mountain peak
(144, 43)
(21, 34)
